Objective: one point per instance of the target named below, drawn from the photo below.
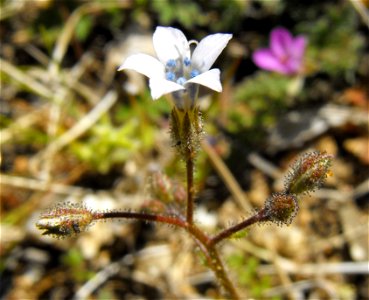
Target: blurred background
(75, 130)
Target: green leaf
(84, 27)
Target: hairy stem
(205, 243)
(190, 186)
(219, 270)
(141, 216)
(214, 261)
(226, 233)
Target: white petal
(160, 87)
(208, 50)
(170, 43)
(144, 64)
(210, 79)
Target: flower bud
(161, 187)
(64, 221)
(175, 125)
(186, 130)
(166, 191)
(308, 173)
(281, 208)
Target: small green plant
(73, 259)
(334, 46)
(116, 144)
(179, 11)
(246, 270)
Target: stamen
(171, 63)
(194, 73)
(170, 76)
(187, 62)
(181, 80)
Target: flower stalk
(260, 216)
(190, 186)
(186, 131)
(219, 270)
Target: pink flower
(285, 54)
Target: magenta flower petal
(265, 59)
(292, 66)
(285, 53)
(299, 45)
(281, 41)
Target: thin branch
(228, 232)
(142, 217)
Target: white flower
(176, 71)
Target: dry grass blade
(320, 268)
(25, 79)
(82, 126)
(69, 29)
(38, 185)
(10, 8)
(228, 178)
(361, 10)
(21, 123)
(265, 166)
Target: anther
(170, 76)
(194, 73)
(187, 62)
(171, 63)
(181, 80)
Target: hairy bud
(161, 187)
(308, 173)
(65, 220)
(165, 191)
(186, 130)
(281, 208)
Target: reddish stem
(218, 268)
(190, 186)
(206, 244)
(141, 216)
(226, 233)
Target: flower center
(180, 70)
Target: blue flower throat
(180, 71)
